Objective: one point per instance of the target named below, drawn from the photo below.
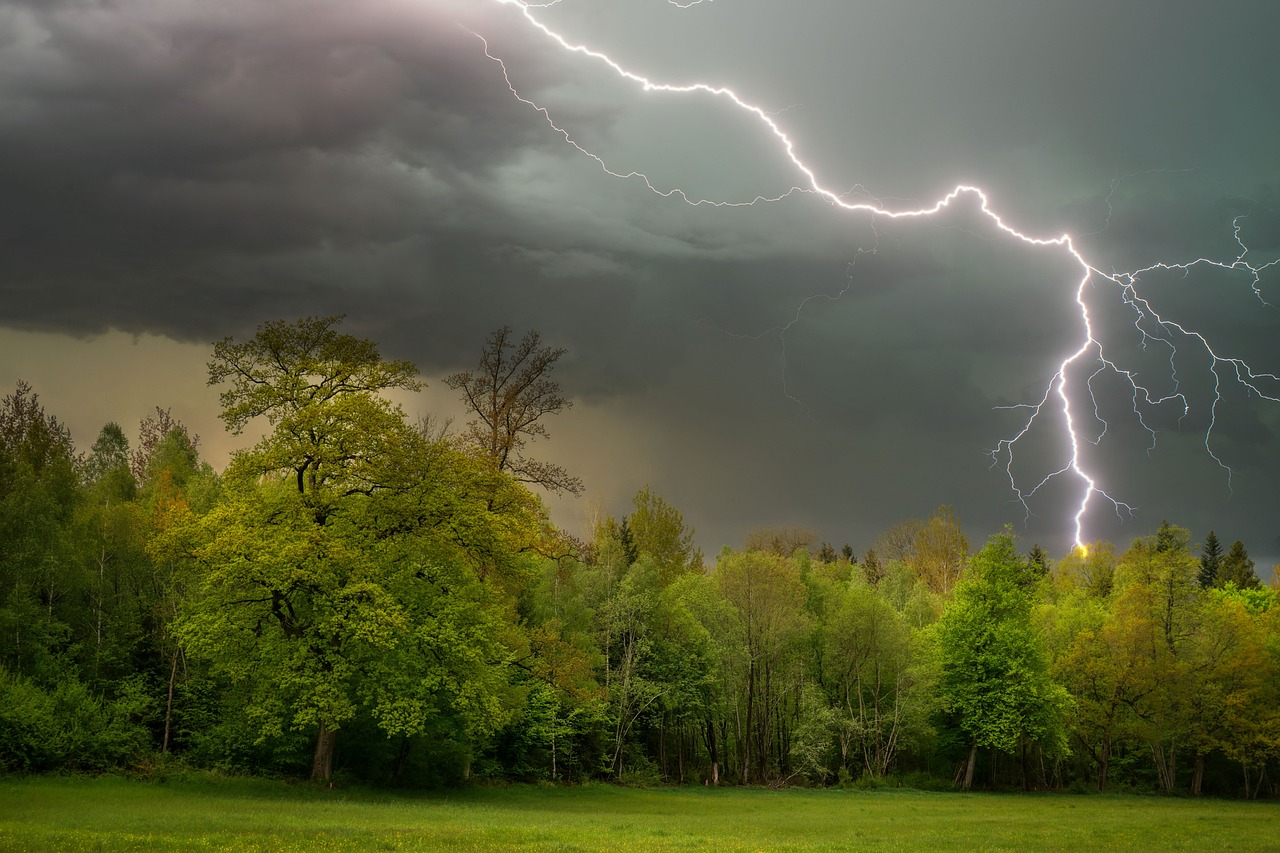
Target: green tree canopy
(658, 530)
(352, 591)
(321, 392)
(993, 674)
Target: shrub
(68, 727)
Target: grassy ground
(244, 815)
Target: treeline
(389, 601)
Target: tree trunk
(749, 740)
(712, 752)
(168, 709)
(968, 768)
(1166, 761)
(1253, 788)
(402, 759)
(680, 740)
(322, 764)
(662, 748)
(1197, 777)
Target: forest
(361, 597)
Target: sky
(175, 172)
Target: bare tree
(783, 540)
(899, 541)
(510, 392)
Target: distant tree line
(361, 596)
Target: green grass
(68, 814)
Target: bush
(27, 736)
(69, 727)
(925, 782)
(870, 783)
(639, 772)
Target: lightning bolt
(1056, 401)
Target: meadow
(114, 813)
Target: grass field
(243, 815)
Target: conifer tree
(1210, 561)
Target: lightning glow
(1062, 399)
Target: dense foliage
(356, 595)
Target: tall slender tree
(1210, 561)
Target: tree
(320, 391)
(152, 430)
(108, 458)
(28, 435)
(39, 581)
(510, 393)
(1170, 538)
(1156, 581)
(1093, 568)
(767, 597)
(939, 550)
(868, 664)
(871, 567)
(177, 488)
(1228, 692)
(325, 624)
(338, 591)
(993, 674)
(1210, 561)
(1110, 671)
(658, 530)
(1237, 568)
(628, 643)
(899, 541)
(1039, 559)
(782, 540)
(109, 535)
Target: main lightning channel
(1152, 327)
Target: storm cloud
(190, 169)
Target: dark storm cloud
(147, 150)
(195, 168)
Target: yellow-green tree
(994, 678)
(658, 530)
(1157, 588)
(940, 550)
(1111, 670)
(333, 579)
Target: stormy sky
(175, 172)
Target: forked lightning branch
(1069, 398)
